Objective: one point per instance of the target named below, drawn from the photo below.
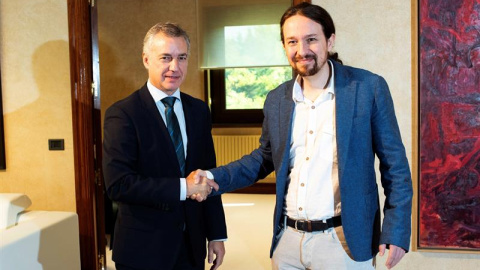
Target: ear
(145, 60)
(331, 42)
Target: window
(242, 56)
(237, 94)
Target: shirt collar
(158, 94)
(297, 93)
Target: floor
(249, 225)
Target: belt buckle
(309, 225)
(296, 222)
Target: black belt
(315, 225)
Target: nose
(302, 48)
(174, 65)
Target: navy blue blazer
(365, 126)
(142, 174)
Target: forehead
(169, 45)
(298, 26)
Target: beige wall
(36, 102)
(121, 32)
(122, 27)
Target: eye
(165, 58)
(291, 42)
(311, 39)
(182, 58)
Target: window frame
(221, 117)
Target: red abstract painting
(449, 186)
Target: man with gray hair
(153, 139)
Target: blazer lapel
(286, 108)
(345, 100)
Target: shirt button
(313, 107)
(300, 208)
(302, 184)
(307, 158)
(311, 132)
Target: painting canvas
(449, 132)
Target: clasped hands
(199, 186)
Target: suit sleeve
(394, 169)
(121, 166)
(250, 168)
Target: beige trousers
(315, 251)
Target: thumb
(381, 249)
(210, 255)
(197, 177)
(213, 184)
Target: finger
(390, 262)
(381, 249)
(215, 265)
(213, 184)
(193, 196)
(199, 198)
(210, 255)
(397, 255)
(219, 259)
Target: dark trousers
(185, 259)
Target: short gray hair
(169, 30)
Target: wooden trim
(415, 122)
(97, 139)
(82, 107)
(3, 165)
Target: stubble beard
(305, 71)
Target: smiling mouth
(304, 60)
(172, 77)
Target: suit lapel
(152, 111)
(345, 100)
(188, 112)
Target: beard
(306, 70)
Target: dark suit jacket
(142, 174)
(365, 126)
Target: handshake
(199, 186)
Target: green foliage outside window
(247, 88)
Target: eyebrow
(307, 36)
(167, 54)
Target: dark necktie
(174, 131)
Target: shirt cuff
(219, 240)
(183, 189)
(209, 175)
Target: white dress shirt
(313, 192)
(158, 95)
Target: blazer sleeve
(122, 166)
(394, 169)
(250, 168)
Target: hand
(394, 255)
(202, 175)
(217, 248)
(197, 190)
